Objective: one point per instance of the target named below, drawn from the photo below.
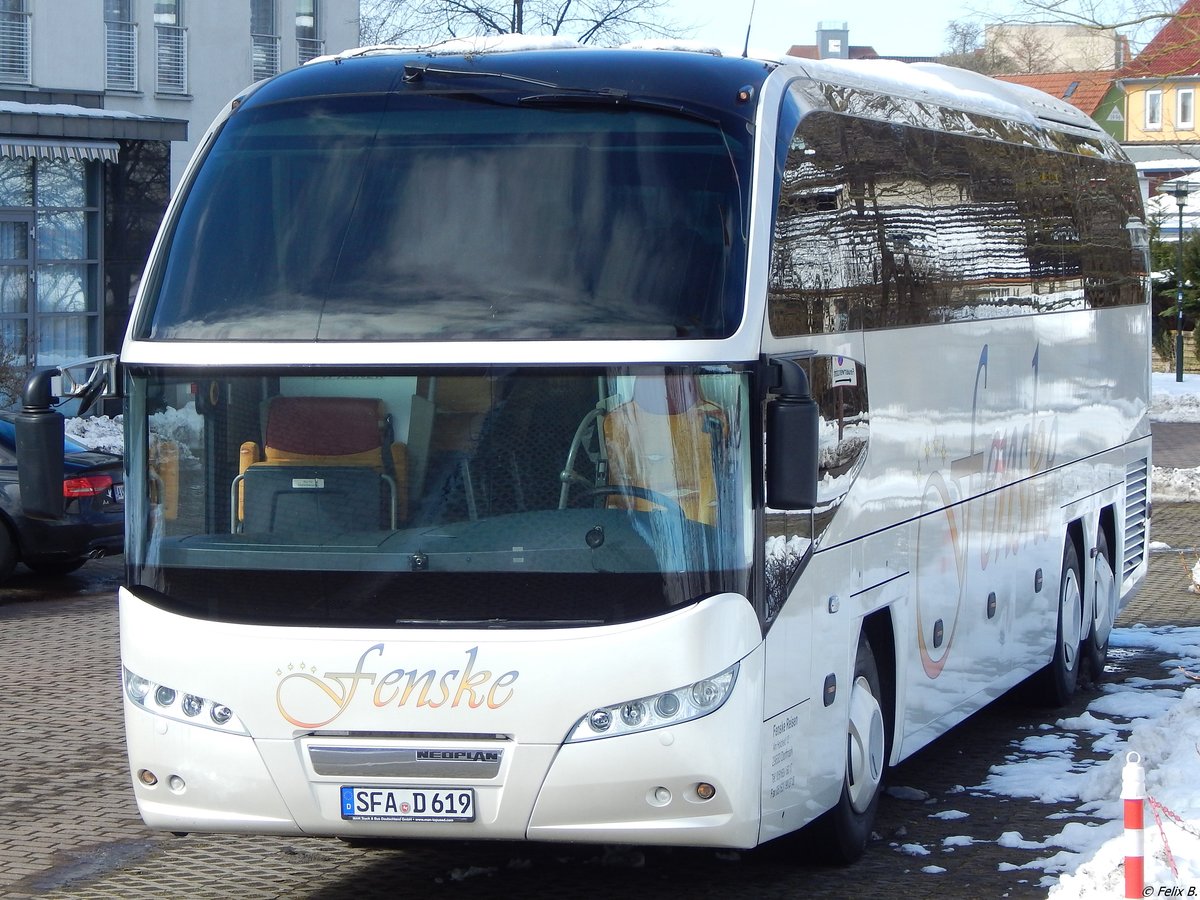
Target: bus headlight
(136, 687)
(183, 707)
(657, 711)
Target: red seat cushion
(324, 426)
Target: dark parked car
(93, 522)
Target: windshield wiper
(562, 95)
(414, 72)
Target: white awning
(49, 148)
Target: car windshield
(451, 217)
(516, 497)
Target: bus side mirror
(88, 380)
(40, 433)
(793, 437)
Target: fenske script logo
(307, 700)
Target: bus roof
(689, 71)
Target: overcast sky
(892, 27)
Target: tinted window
(424, 218)
(881, 224)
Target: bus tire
(1057, 682)
(1104, 606)
(841, 834)
(8, 551)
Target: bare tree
(1025, 49)
(1030, 45)
(1139, 19)
(964, 37)
(14, 369)
(1094, 13)
(967, 48)
(420, 22)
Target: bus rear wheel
(1104, 607)
(1057, 682)
(841, 834)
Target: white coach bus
(622, 446)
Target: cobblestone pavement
(69, 827)
(1176, 444)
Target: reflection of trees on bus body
(879, 227)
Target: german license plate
(374, 804)
(119, 493)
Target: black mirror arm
(793, 380)
(36, 396)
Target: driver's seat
(663, 439)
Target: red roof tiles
(1083, 90)
(1174, 51)
(812, 51)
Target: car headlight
(191, 708)
(682, 704)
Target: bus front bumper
(685, 785)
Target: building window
(170, 45)
(49, 260)
(14, 41)
(264, 38)
(120, 46)
(1185, 109)
(1153, 110)
(308, 29)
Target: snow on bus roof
(677, 45)
(945, 85)
(467, 46)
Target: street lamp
(1179, 190)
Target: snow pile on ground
(1175, 485)
(1175, 401)
(1167, 746)
(183, 426)
(98, 433)
(1157, 719)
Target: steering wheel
(658, 498)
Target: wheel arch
(1076, 535)
(881, 635)
(1086, 547)
(1108, 527)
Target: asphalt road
(69, 826)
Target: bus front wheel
(842, 833)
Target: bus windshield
(453, 217)
(534, 497)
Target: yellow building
(1162, 83)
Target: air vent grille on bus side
(1136, 496)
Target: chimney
(833, 40)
